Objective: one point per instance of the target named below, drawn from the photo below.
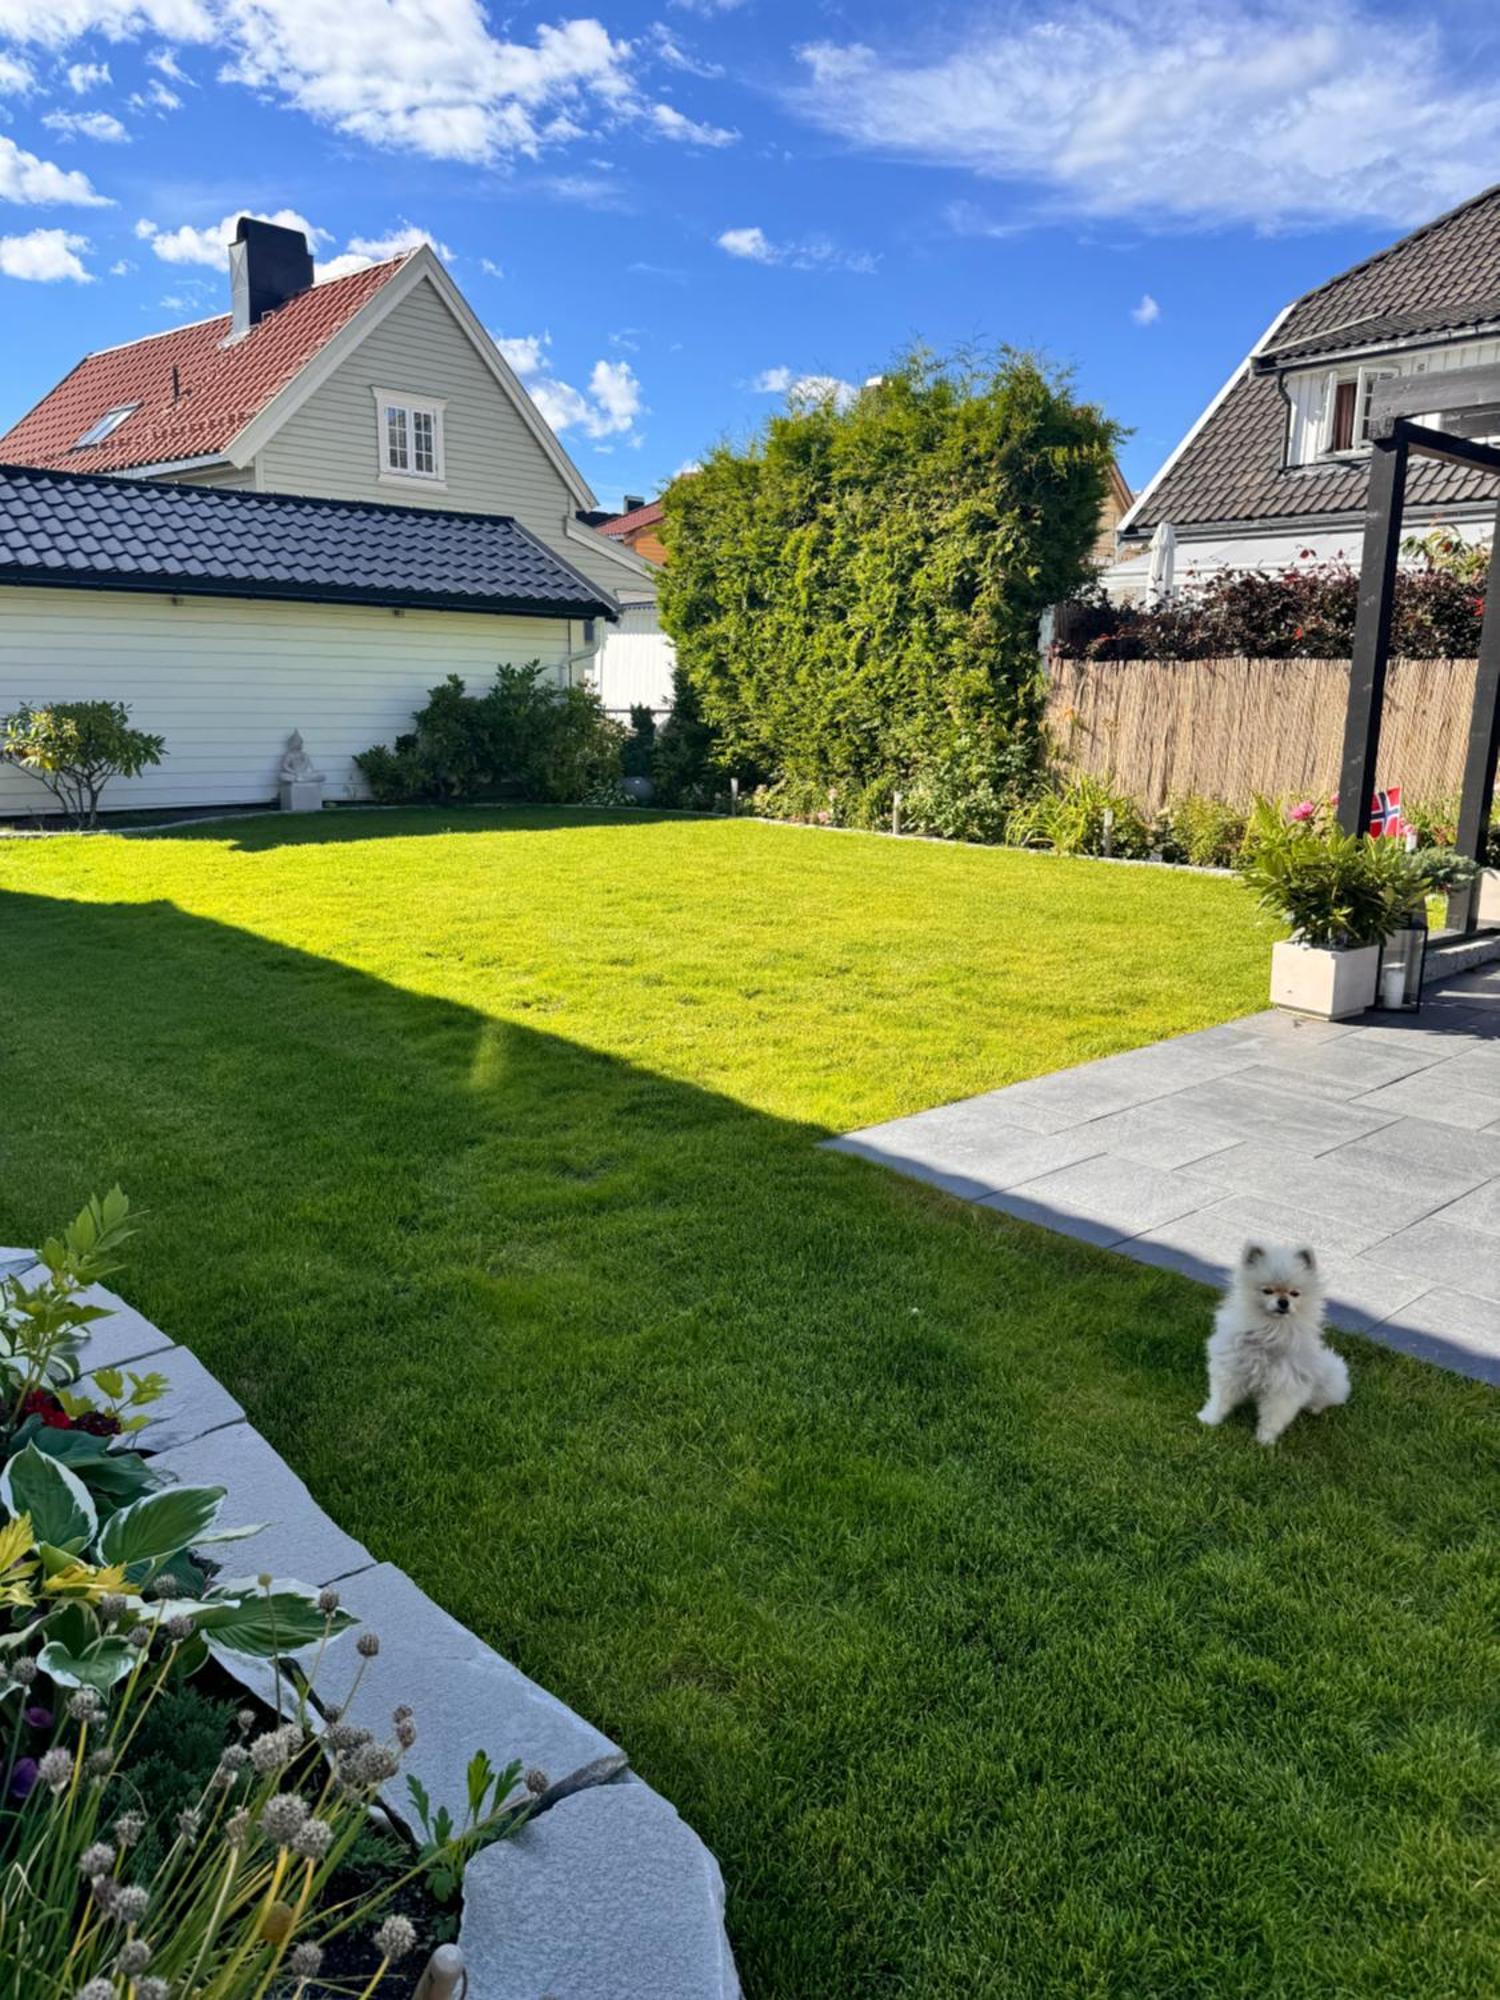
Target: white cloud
(15, 75)
(751, 243)
(164, 61)
(811, 253)
(665, 45)
(156, 97)
(801, 391)
(44, 255)
(189, 245)
(707, 8)
(88, 125)
(671, 124)
(84, 77)
(1147, 313)
(610, 406)
(23, 177)
(121, 268)
(1238, 111)
(55, 23)
(490, 268)
(363, 251)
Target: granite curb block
(616, 1899)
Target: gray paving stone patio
(1377, 1140)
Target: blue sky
(673, 214)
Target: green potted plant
(1341, 895)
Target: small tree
(75, 748)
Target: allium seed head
(97, 1989)
(134, 1957)
(280, 1817)
(395, 1938)
(313, 1840)
(236, 1827)
(328, 1601)
(129, 1827)
(85, 1704)
(244, 1722)
(373, 1763)
(131, 1904)
(179, 1628)
(401, 1712)
(347, 1736)
(306, 1961)
(99, 1763)
(190, 1823)
(55, 1769)
(23, 1672)
(270, 1752)
(139, 1636)
(537, 1782)
(111, 1606)
(406, 1732)
(152, 1989)
(96, 1860)
(367, 1645)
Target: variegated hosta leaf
(242, 1617)
(60, 1505)
(160, 1525)
(99, 1666)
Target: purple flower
(38, 1717)
(23, 1778)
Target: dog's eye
(1294, 1295)
(1268, 1290)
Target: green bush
(640, 744)
(1205, 832)
(1069, 818)
(75, 747)
(520, 737)
(685, 765)
(856, 595)
(1335, 889)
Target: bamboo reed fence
(1232, 728)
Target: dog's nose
(1283, 1305)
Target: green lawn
(479, 1154)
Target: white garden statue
(301, 785)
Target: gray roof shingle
(108, 533)
(1444, 276)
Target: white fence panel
(635, 663)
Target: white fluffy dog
(1267, 1344)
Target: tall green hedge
(855, 596)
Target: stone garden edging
(606, 1894)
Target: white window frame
(104, 427)
(1364, 379)
(410, 406)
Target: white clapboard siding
(635, 663)
(227, 680)
(492, 463)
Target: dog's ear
(1307, 1260)
(1252, 1256)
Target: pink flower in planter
(1301, 812)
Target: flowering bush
(108, 1599)
(1297, 613)
(1332, 889)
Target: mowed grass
(480, 1158)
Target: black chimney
(267, 266)
(632, 501)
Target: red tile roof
(219, 388)
(638, 517)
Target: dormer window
(106, 426)
(410, 436)
(1346, 421)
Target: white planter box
(1331, 984)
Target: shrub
(1205, 832)
(685, 766)
(640, 745)
(1297, 613)
(1335, 889)
(75, 748)
(855, 596)
(1069, 818)
(537, 742)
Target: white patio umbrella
(1163, 561)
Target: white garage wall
(635, 663)
(227, 680)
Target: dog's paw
(1209, 1415)
(1267, 1438)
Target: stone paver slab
(1159, 1134)
(1443, 1149)
(609, 1896)
(1446, 1253)
(965, 1150)
(194, 1402)
(1351, 1065)
(299, 1540)
(1437, 1094)
(1330, 1187)
(1282, 1113)
(1450, 1328)
(1101, 1200)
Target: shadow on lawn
(875, 1528)
(343, 824)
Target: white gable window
(106, 426)
(1346, 410)
(410, 436)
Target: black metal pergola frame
(1469, 397)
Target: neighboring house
(380, 389)
(639, 528)
(1117, 503)
(1274, 472)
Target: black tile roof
(1443, 277)
(105, 533)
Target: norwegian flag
(1385, 815)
